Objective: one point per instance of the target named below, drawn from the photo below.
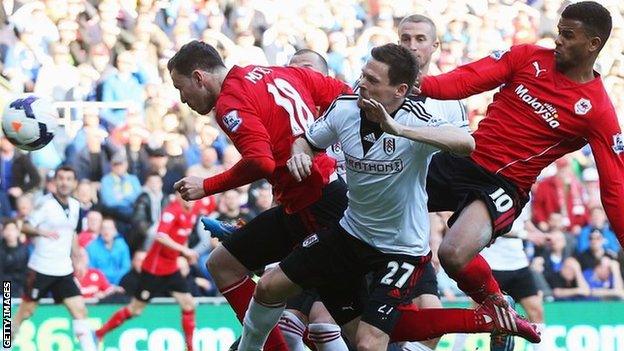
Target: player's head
(584, 28)
(309, 59)
(388, 75)
(418, 34)
(65, 180)
(195, 70)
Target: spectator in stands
(92, 162)
(137, 151)
(208, 164)
(92, 229)
(262, 197)
(119, 190)
(109, 252)
(230, 208)
(198, 285)
(91, 281)
(591, 257)
(13, 258)
(130, 281)
(17, 173)
(146, 214)
(58, 76)
(168, 169)
(605, 279)
(68, 34)
(122, 85)
(23, 60)
(569, 283)
(561, 193)
(598, 221)
(86, 196)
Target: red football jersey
(92, 282)
(538, 116)
(176, 223)
(264, 109)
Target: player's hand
(191, 188)
(48, 234)
(300, 166)
(377, 113)
(191, 255)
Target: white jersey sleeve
(323, 132)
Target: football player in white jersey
(385, 229)
(53, 228)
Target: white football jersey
(53, 256)
(386, 175)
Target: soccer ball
(29, 122)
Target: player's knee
(449, 255)
(265, 290)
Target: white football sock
(414, 346)
(292, 329)
(85, 335)
(459, 341)
(541, 327)
(258, 322)
(326, 337)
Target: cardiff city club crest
(582, 107)
(389, 146)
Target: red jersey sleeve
(476, 77)
(251, 139)
(607, 145)
(324, 89)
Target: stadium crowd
(127, 159)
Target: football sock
(476, 280)
(292, 329)
(326, 337)
(85, 335)
(188, 325)
(117, 319)
(258, 322)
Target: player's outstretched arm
(448, 138)
(245, 171)
(184, 250)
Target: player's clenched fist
(191, 188)
(300, 166)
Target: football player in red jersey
(160, 272)
(263, 110)
(550, 103)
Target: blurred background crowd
(131, 147)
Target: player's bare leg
(459, 255)
(371, 338)
(133, 309)
(78, 310)
(24, 311)
(187, 304)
